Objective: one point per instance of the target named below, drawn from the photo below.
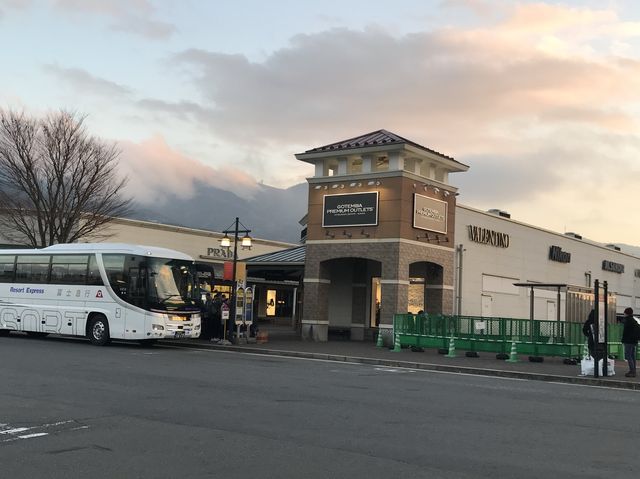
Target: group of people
(630, 337)
(213, 327)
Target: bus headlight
(157, 327)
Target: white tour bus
(101, 291)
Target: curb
(609, 383)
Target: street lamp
(245, 244)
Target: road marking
(37, 434)
(14, 430)
(396, 370)
(10, 433)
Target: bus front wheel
(4, 332)
(98, 330)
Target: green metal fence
(474, 333)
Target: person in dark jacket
(587, 330)
(205, 321)
(630, 340)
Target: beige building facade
(201, 245)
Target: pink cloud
(156, 170)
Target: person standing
(587, 330)
(205, 324)
(216, 318)
(630, 331)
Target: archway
(354, 289)
(425, 287)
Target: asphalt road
(72, 410)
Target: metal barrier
(474, 333)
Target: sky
(540, 98)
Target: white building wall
(488, 270)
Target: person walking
(630, 334)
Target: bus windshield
(152, 283)
(171, 283)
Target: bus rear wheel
(98, 330)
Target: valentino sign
(429, 214)
(487, 236)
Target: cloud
(330, 81)
(157, 172)
(129, 16)
(6, 5)
(82, 81)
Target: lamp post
(246, 244)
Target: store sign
(556, 254)
(613, 267)
(487, 236)
(350, 209)
(429, 214)
(219, 252)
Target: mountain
(272, 213)
(629, 249)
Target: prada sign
(350, 209)
(429, 214)
(219, 252)
(556, 254)
(487, 236)
(613, 267)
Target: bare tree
(58, 184)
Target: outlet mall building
(384, 235)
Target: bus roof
(152, 251)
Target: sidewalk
(552, 369)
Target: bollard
(452, 349)
(513, 357)
(396, 344)
(379, 342)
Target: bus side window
(93, 272)
(7, 268)
(114, 266)
(33, 269)
(69, 269)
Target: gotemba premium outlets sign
(429, 214)
(350, 209)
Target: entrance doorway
(425, 288)
(376, 302)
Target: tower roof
(372, 139)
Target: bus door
(133, 323)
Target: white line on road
(13, 433)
